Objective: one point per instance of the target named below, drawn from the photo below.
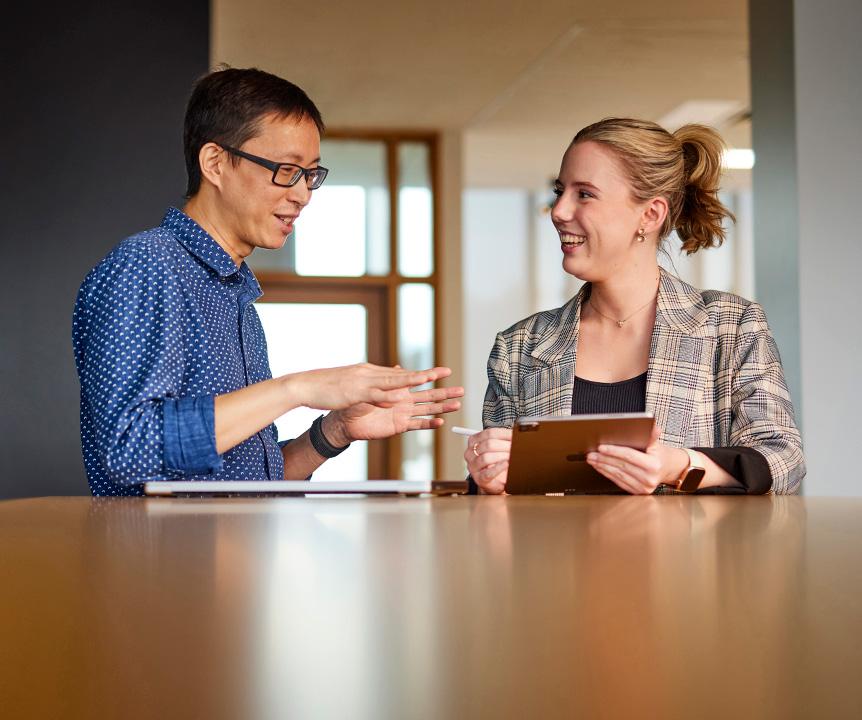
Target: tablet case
(549, 453)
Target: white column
(829, 157)
(806, 122)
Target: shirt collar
(199, 242)
(250, 283)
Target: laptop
(246, 488)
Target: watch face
(691, 481)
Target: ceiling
(518, 78)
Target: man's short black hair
(227, 106)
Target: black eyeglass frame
(276, 167)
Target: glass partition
(416, 350)
(307, 336)
(415, 211)
(344, 229)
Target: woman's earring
(641, 236)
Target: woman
(637, 338)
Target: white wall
(512, 268)
(496, 287)
(829, 156)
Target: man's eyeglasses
(284, 174)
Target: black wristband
(319, 442)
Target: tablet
(549, 453)
(245, 488)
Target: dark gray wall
(91, 152)
(776, 217)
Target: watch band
(692, 476)
(319, 442)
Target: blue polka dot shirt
(161, 326)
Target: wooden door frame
(281, 285)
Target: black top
(592, 398)
(745, 464)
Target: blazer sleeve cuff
(747, 465)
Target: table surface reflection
(450, 607)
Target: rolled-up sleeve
(189, 435)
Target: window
(357, 281)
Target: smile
(286, 220)
(572, 240)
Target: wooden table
(456, 607)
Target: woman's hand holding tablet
(640, 472)
(487, 457)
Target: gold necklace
(622, 322)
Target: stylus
(464, 431)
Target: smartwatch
(692, 476)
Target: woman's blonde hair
(683, 167)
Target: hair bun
(700, 223)
(702, 151)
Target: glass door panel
(305, 336)
(416, 350)
(415, 211)
(344, 229)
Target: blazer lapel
(547, 387)
(680, 363)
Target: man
(175, 380)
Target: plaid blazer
(714, 379)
